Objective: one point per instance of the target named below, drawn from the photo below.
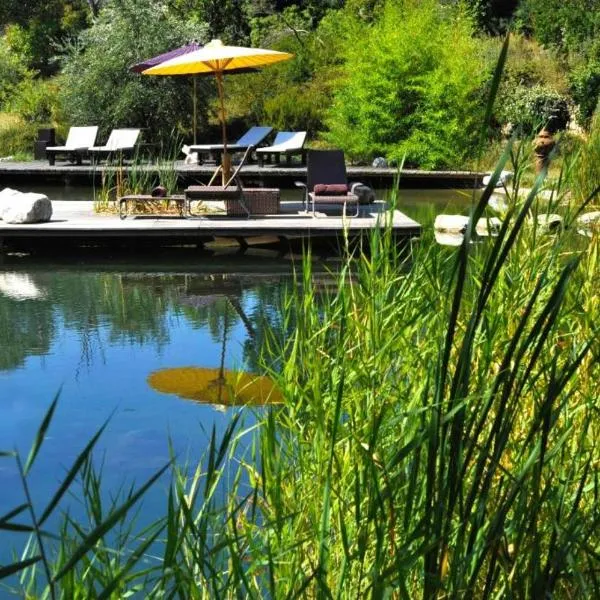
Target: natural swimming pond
(101, 335)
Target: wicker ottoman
(258, 201)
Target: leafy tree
(44, 25)
(294, 94)
(492, 16)
(568, 26)
(12, 71)
(98, 87)
(573, 30)
(412, 87)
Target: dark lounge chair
(286, 143)
(79, 141)
(252, 138)
(326, 181)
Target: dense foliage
(415, 64)
(127, 32)
(375, 77)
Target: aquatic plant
(437, 438)
(139, 177)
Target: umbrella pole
(195, 108)
(226, 159)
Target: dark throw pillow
(330, 189)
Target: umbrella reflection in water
(217, 386)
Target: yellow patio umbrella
(218, 58)
(216, 386)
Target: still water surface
(95, 333)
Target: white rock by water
(549, 223)
(505, 177)
(498, 204)
(451, 223)
(17, 207)
(591, 219)
(488, 226)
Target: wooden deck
(267, 176)
(75, 223)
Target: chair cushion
(330, 189)
(338, 200)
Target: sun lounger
(287, 143)
(121, 142)
(326, 181)
(253, 137)
(239, 201)
(79, 140)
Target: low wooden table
(124, 202)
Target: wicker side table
(258, 201)
(246, 202)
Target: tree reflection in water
(135, 307)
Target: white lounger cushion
(254, 136)
(119, 139)
(286, 141)
(78, 138)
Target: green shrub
(527, 109)
(412, 87)
(567, 26)
(585, 89)
(12, 71)
(36, 101)
(529, 63)
(585, 172)
(16, 135)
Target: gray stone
(504, 179)
(380, 163)
(17, 207)
(451, 223)
(366, 194)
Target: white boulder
(505, 177)
(549, 223)
(17, 207)
(498, 204)
(451, 223)
(488, 226)
(591, 219)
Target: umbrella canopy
(218, 59)
(161, 58)
(216, 386)
(156, 60)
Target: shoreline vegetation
(405, 80)
(437, 438)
